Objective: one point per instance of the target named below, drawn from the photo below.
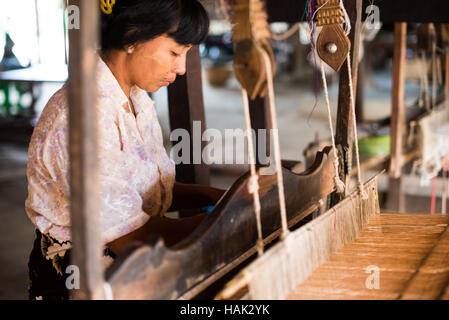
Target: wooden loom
(226, 238)
(328, 258)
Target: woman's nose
(180, 66)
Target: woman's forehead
(166, 40)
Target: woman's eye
(175, 54)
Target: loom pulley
(251, 38)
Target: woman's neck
(116, 61)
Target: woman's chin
(156, 87)
(152, 88)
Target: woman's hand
(185, 196)
(171, 230)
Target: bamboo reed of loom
(410, 252)
(305, 249)
(333, 257)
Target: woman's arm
(171, 230)
(192, 196)
(185, 196)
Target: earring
(130, 50)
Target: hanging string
(305, 10)
(354, 121)
(253, 184)
(347, 20)
(368, 11)
(287, 34)
(340, 186)
(277, 149)
(311, 15)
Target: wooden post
(398, 107)
(397, 126)
(84, 190)
(260, 119)
(395, 197)
(446, 76)
(360, 91)
(185, 101)
(344, 129)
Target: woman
(144, 47)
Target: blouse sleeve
(48, 203)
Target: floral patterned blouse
(136, 174)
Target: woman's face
(155, 63)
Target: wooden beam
(445, 60)
(185, 100)
(84, 188)
(395, 196)
(446, 75)
(260, 119)
(344, 129)
(360, 91)
(396, 199)
(397, 125)
(390, 11)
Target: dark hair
(133, 21)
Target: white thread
(316, 11)
(253, 184)
(354, 121)
(287, 34)
(340, 186)
(277, 149)
(347, 20)
(108, 295)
